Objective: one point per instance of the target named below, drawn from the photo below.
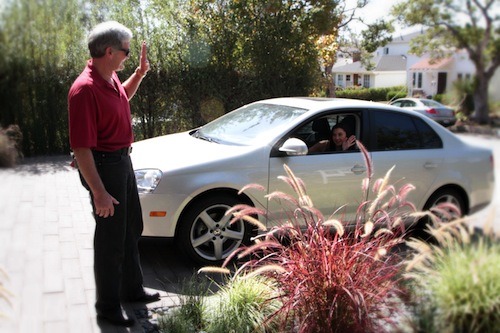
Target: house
(394, 66)
(388, 71)
(429, 77)
(390, 64)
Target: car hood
(177, 151)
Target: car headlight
(147, 179)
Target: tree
(40, 45)
(340, 37)
(256, 49)
(472, 25)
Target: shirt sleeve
(82, 117)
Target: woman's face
(339, 136)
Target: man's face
(120, 56)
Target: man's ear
(109, 51)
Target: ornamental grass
(330, 278)
(456, 279)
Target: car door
(411, 145)
(332, 179)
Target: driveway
(46, 233)
(492, 211)
(46, 252)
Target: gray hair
(107, 34)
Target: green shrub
(456, 280)
(370, 94)
(189, 315)
(462, 95)
(243, 305)
(393, 94)
(438, 98)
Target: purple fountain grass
(331, 279)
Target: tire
(205, 234)
(450, 196)
(443, 196)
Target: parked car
(430, 108)
(188, 180)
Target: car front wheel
(205, 232)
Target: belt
(120, 152)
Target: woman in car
(341, 138)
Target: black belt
(120, 152)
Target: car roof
(414, 99)
(319, 103)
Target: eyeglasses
(126, 51)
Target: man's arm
(103, 201)
(133, 82)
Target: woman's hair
(107, 34)
(348, 131)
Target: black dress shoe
(116, 318)
(145, 298)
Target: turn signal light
(158, 214)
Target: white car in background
(436, 111)
(188, 180)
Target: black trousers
(117, 268)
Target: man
(100, 136)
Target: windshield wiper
(198, 135)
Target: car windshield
(249, 124)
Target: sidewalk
(46, 250)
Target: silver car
(188, 180)
(430, 108)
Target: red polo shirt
(99, 115)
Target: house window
(464, 76)
(340, 80)
(366, 81)
(386, 50)
(348, 78)
(417, 80)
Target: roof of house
(397, 39)
(430, 64)
(385, 63)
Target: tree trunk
(481, 108)
(331, 81)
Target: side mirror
(294, 147)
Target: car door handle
(358, 169)
(430, 165)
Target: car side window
(320, 130)
(428, 138)
(393, 131)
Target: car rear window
(430, 103)
(394, 131)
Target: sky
(375, 9)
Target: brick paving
(46, 252)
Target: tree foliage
(472, 25)
(207, 57)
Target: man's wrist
(138, 72)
